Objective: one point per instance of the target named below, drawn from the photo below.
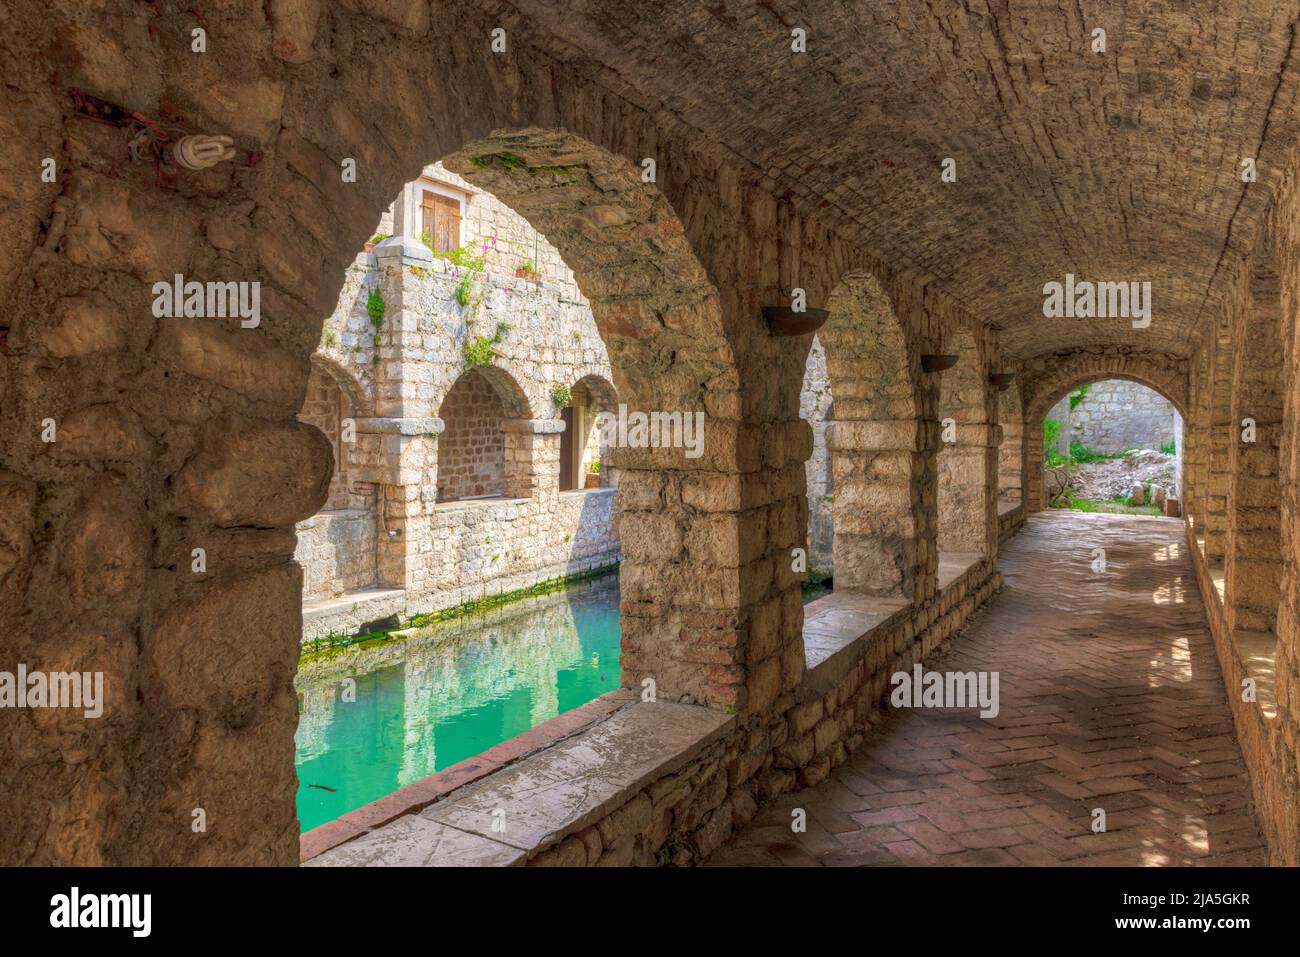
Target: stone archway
(1049, 377)
(207, 452)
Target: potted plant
(527, 270)
(375, 240)
(593, 474)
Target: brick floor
(1111, 698)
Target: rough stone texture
(1117, 415)
(834, 189)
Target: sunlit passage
(1110, 699)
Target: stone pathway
(1111, 698)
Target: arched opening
(492, 373)
(477, 457)
(1113, 445)
(582, 457)
(338, 546)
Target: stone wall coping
(395, 425)
(420, 794)
(535, 426)
(405, 248)
(839, 628)
(596, 758)
(479, 503)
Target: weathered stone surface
(414, 842)
(88, 324)
(247, 472)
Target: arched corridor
(328, 324)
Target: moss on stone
(319, 649)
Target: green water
(447, 694)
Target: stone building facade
(1117, 415)
(455, 476)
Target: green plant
(479, 351)
(1078, 395)
(460, 256)
(528, 266)
(594, 467)
(1051, 435)
(1169, 448)
(328, 338)
(560, 395)
(375, 307)
(465, 289)
(379, 237)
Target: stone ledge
(406, 801)
(393, 425)
(541, 799)
(346, 613)
(837, 630)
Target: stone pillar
(1011, 452)
(879, 470)
(968, 450)
(532, 457)
(1222, 435)
(399, 456)
(1253, 545)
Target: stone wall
(471, 448)
(683, 816)
(337, 550)
(1117, 415)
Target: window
(440, 221)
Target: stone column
(879, 470)
(1222, 435)
(1011, 452)
(968, 450)
(532, 458)
(1253, 543)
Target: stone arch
(967, 455)
(660, 318)
(337, 547)
(882, 510)
(332, 397)
(1046, 379)
(479, 453)
(580, 442)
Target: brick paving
(1111, 698)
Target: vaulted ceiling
(1122, 165)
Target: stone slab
(566, 787)
(413, 841)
